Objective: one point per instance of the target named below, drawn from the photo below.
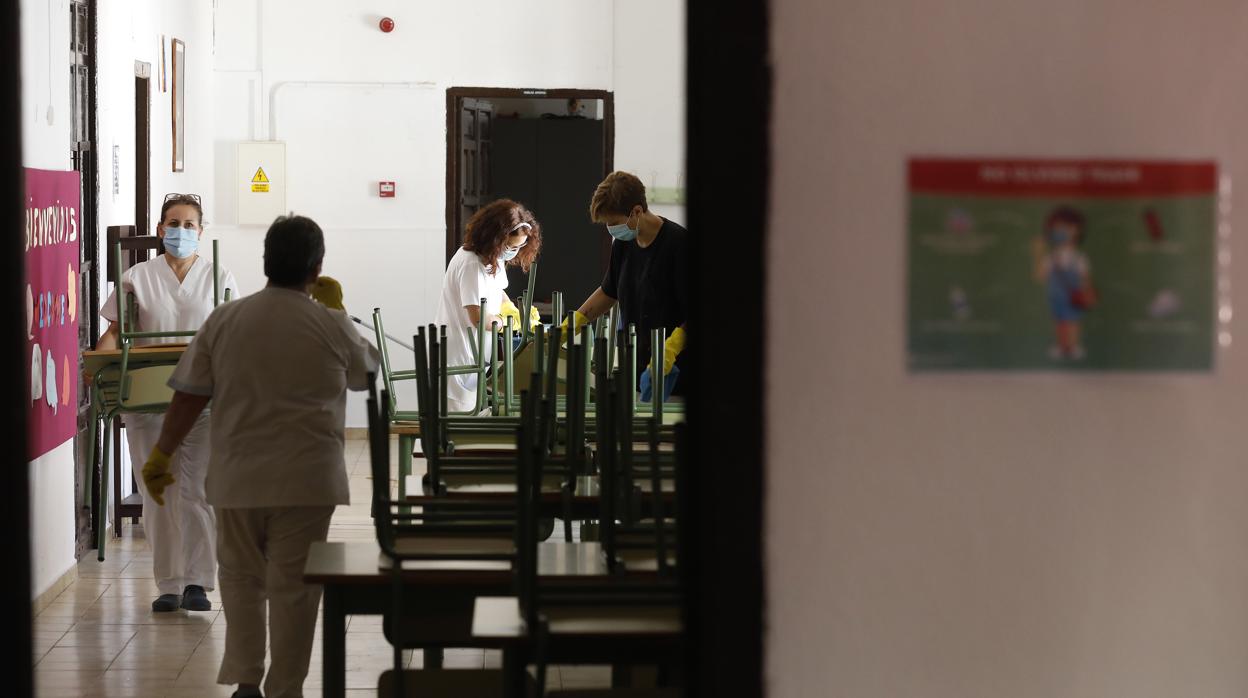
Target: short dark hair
(293, 248)
(617, 195)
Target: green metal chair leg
(101, 522)
(405, 464)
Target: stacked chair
(132, 381)
(626, 617)
(450, 531)
(574, 444)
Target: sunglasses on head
(183, 197)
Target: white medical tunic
(166, 304)
(277, 365)
(182, 532)
(467, 281)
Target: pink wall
(1022, 536)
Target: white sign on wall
(261, 182)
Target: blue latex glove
(669, 381)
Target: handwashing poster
(1061, 265)
(53, 219)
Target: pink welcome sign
(52, 229)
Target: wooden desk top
(357, 562)
(96, 359)
(588, 489)
(498, 618)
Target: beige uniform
(277, 366)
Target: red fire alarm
(385, 190)
(386, 24)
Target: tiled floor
(100, 638)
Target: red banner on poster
(53, 225)
(1047, 178)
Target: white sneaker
(1077, 353)
(1055, 353)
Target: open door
(547, 149)
(472, 159)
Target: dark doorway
(15, 592)
(722, 515)
(142, 145)
(547, 149)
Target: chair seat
(483, 486)
(643, 560)
(448, 683)
(455, 545)
(405, 428)
(606, 621)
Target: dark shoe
(237, 694)
(167, 603)
(194, 599)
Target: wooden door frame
(84, 469)
(454, 94)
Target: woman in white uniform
(502, 233)
(174, 292)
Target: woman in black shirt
(647, 271)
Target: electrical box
(261, 182)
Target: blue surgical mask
(181, 242)
(509, 254)
(622, 232)
(1059, 237)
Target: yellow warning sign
(259, 182)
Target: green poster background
(974, 302)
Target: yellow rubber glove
(156, 475)
(672, 347)
(509, 310)
(580, 322)
(328, 292)
(535, 318)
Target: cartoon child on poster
(1063, 268)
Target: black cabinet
(552, 166)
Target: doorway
(85, 159)
(125, 500)
(546, 149)
(142, 145)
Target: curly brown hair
(489, 228)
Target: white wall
(649, 40)
(127, 31)
(985, 536)
(356, 106)
(45, 83)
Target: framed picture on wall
(179, 104)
